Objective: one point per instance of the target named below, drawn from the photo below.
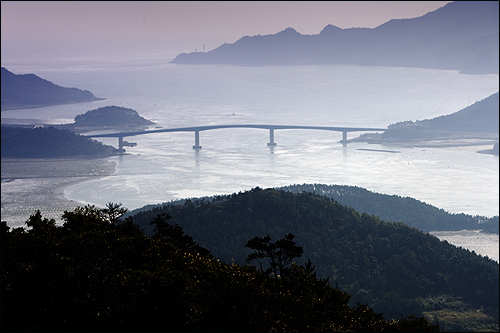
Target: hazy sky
(86, 28)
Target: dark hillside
(389, 266)
(30, 91)
(394, 208)
(49, 142)
(97, 274)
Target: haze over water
(164, 167)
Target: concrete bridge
(198, 129)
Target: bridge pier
(344, 138)
(271, 142)
(196, 140)
(120, 145)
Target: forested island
(30, 91)
(462, 35)
(110, 116)
(49, 142)
(390, 266)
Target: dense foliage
(45, 142)
(389, 266)
(94, 273)
(111, 116)
(395, 208)
(29, 90)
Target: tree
(113, 212)
(175, 235)
(281, 253)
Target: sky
(31, 29)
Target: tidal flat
(28, 185)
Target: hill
(49, 142)
(31, 91)
(462, 35)
(395, 269)
(394, 208)
(480, 117)
(96, 273)
(478, 122)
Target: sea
(164, 166)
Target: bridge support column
(271, 142)
(196, 140)
(344, 138)
(120, 145)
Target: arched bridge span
(198, 129)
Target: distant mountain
(30, 91)
(462, 35)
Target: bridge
(198, 129)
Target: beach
(38, 184)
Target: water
(484, 244)
(164, 167)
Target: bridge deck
(212, 127)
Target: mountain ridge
(461, 36)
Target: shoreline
(482, 146)
(38, 184)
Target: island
(30, 91)
(112, 116)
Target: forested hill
(395, 208)
(396, 269)
(30, 91)
(462, 35)
(49, 142)
(98, 274)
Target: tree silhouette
(281, 253)
(113, 212)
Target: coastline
(482, 146)
(28, 185)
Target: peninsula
(475, 125)
(30, 91)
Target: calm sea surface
(164, 167)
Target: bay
(164, 167)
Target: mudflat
(31, 184)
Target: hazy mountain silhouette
(462, 35)
(29, 91)
(482, 116)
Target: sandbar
(32, 184)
